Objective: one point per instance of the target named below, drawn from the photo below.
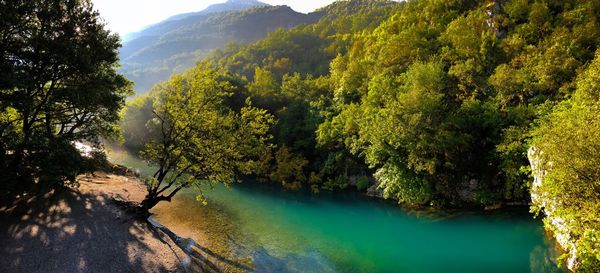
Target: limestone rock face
(375, 191)
(538, 198)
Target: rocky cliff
(553, 222)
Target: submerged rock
(494, 206)
(311, 261)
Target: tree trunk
(150, 201)
(155, 197)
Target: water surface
(282, 231)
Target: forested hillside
(431, 102)
(154, 54)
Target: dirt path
(84, 230)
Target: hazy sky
(125, 16)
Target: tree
(289, 169)
(58, 85)
(265, 90)
(200, 139)
(403, 124)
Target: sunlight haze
(132, 15)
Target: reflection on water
(543, 259)
(276, 231)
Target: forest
(430, 103)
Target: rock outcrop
(554, 222)
(374, 190)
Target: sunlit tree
(200, 140)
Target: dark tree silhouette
(58, 84)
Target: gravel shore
(85, 230)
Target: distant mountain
(169, 23)
(231, 5)
(176, 44)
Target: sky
(124, 16)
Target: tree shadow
(202, 256)
(202, 259)
(67, 231)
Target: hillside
(177, 43)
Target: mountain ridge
(173, 46)
(228, 6)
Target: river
(258, 226)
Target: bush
(362, 183)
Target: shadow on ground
(68, 231)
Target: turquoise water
(300, 232)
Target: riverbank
(85, 230)
(258, 225)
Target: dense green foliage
(199, 139)
(58, 85)
(437, 100)
(568, 139)
(282, 74)
(441, 102)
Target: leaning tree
(200, 139)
